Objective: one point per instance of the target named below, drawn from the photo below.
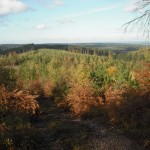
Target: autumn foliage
(120, 88)
(130, 106)
(17, 101)
(40, 87)
(81, 98)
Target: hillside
(55, 98)
(145, 52)
(114, 47)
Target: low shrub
(16, 107)
(48, 88)
(17, 101)
(35, 87)
(130, 107)
(81, 98)
(8, 76)
(41, 87)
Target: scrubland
(89, 86)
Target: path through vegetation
(57, 129)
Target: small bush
(17, 101)
(128, 105)
(35, 87)
(60, 92)
(81, 98)
(48, 88)
(131, 107)
(8, 76)
(143, 78)
(41, 87)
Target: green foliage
(8, 76)
(71, 67)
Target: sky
(66, 21)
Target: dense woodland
(85, 48)
(105, 85)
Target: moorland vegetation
(116, 86)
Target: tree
(142, 21)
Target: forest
(91, 85)
(87, 48)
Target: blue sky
(60, 21)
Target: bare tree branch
(142, 22)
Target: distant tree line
(70, 48)
(19, 49)
(82, 49)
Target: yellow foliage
(112, 70)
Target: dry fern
(17, 101)
(81, 99)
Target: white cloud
(41, 26)
(11, 6)
(56, 3)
